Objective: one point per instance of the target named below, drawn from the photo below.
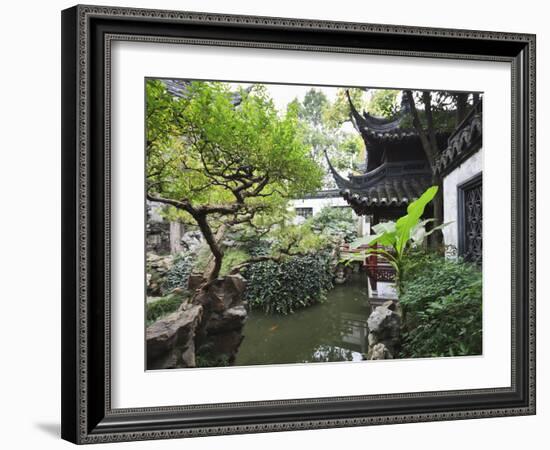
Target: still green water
(335, 330)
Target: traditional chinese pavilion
(396, 170)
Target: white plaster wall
(318, 203)
(465, 171)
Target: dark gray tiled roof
(465, 140)
(395, 191)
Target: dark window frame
(302, 212)
(462, 188)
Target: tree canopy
(312, 107)
(223, 161)
(383, 103)
(322, 121)
(339, 111)
(205, 149)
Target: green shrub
(335, 221)
(283, 287)
(442, 307)
(178, 275)
(162, 307)
(232, 257)
(259, 247)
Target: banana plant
(397, 237)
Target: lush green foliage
(202, 147)
(335, 222)
(397, 237)
(283, 287)
(323, 133)
(298, 273)
(346, 151)
(179, 273)
(294, 239)
(383, 103)
(162, 307)
(312, 107)
(443, 106)
(233, 257)
(223, 160)
(442, 307)
(254, 245)
(339, 111)
(283, 241)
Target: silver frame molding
(87, 35)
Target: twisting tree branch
(199, 214)
(184, 205)
(258, 259)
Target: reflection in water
(335, 330)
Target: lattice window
(304, 212)
(470, 219)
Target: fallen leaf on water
(274, 327)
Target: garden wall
(465, 171)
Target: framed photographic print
(283, 224)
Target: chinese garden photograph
(292, 224)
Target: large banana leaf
(365, 240)
(419, 232)
(406, 224)
(385, 235)
(397, 234)
(384, 227)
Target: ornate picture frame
(88, 33)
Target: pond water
(335, 330)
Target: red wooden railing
(376, 267)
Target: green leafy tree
(339, 111)
(313, 106)
(383, 103)
(337, 223)
(322, 123)
(348, 150)
(310, 117)
(223, 164)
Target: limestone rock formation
(224, 318)
(384, 338)
(191, 240)
(158, 267)
(171, 340)
(211, 322)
